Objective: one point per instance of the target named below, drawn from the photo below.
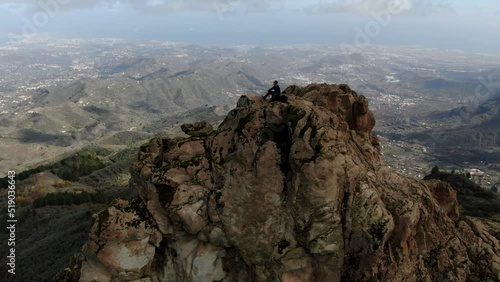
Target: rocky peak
(284, 192)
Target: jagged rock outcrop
(290, 191)
(198, 129)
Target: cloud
(366, 7)
(166, 6)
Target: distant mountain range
(77, 92)
(470, 126)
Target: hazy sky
(453, 24)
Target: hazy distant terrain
(63, 95)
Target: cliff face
(284, 192)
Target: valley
(59, 96)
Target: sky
(467, 25)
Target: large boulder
(122, 243)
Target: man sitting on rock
(275, 92)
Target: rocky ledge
(285, 192)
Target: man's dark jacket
(275, 92)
